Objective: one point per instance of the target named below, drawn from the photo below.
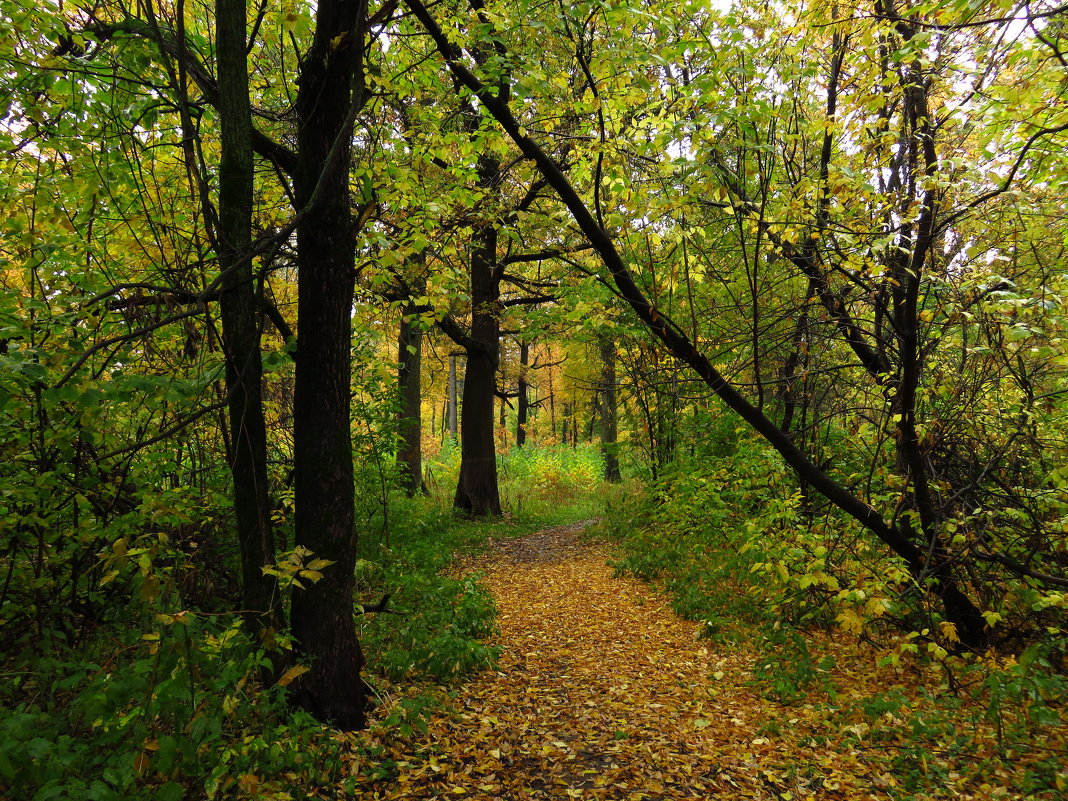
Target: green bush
(172, 713)
(440, 621)
(700, 529)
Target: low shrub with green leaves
(736, 546)
(437, 623)
(700, 531)
(176, 711)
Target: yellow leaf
(295, 671)
(850, 620)
(949, 631)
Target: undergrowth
(159, 694)
(540, 485)
(820, 610)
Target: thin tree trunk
(523, 396)
(240, 325)
(454, 426)
(502, 423)
(410, 357)
(609, 419)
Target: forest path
(601, 692)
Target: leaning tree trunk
(240, 325)
(322, 612)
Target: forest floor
(603, 692)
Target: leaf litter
(603, 692)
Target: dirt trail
(601, 692)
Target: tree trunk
(502, 423)
(476, 491)
(609, 419)
(240, 325)
(523, 396)
(322, 612)
(410, 357)
(453, 415)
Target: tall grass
(540, 485)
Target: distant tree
(608, 407)
(409, 374)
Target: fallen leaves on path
(602, 692)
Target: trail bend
(601, 692)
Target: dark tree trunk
(609, 420)
(523, 396)
(322, 612)
(240, 325)
(450, 405)
(476, 491)
(410, 357)
(502, 423)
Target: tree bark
(477, 493)
(609, 419)
(240, 325)
(523, 396)
(322, 612)
(410, 358)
